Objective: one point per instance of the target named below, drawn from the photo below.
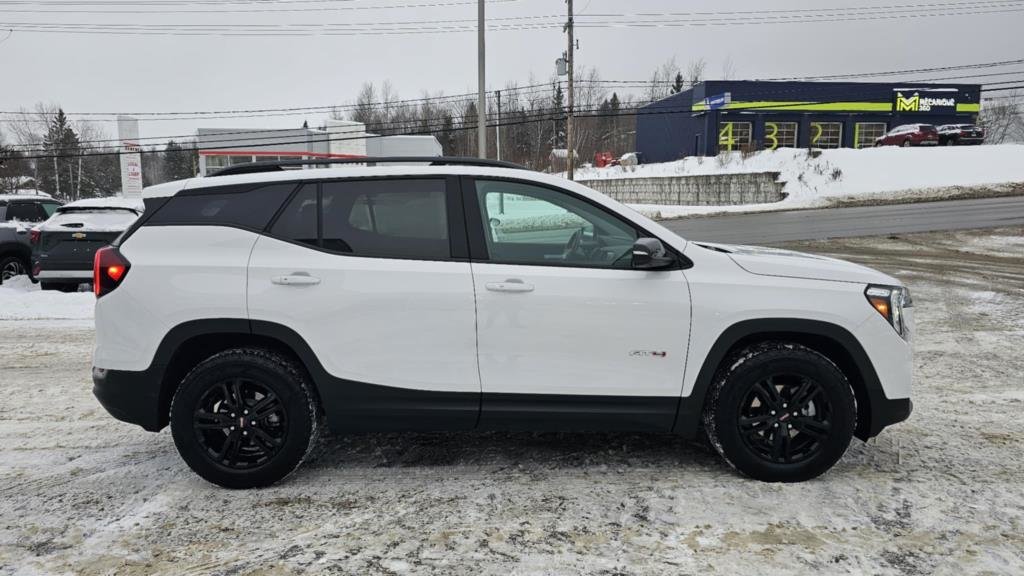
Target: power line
(518, 22)
(219, 10)
(544, 116)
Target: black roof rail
(276, 165)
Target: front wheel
(906, 143)
(780, 412)
(244, 418)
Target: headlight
(889, 301)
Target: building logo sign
(925, 101)
(718, 101)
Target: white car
(244, 308)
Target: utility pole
(568, 123)
(497, 127)
(481, 98)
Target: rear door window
(400, 218)
(298, 220)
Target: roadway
(771, 227)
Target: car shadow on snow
(550, 450)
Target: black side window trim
(478, 244)
(457, 234)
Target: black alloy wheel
(245, 417)
(780, 412)
(10, 267)
(240, 423)
(785, 418)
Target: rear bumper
(78, 275)
(132, 397)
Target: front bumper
(132, 397)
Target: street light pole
(568, 123)
(481, 99)
(497, 126)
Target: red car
(910, 135)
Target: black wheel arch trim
(874, 410)
(143, 397)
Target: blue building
(754, 115)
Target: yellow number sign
(725, 136)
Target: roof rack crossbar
(276, 165)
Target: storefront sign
(925, 101)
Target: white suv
(245, 308)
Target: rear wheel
(950, 142)
(906, 143)
(11, 266)
(244, 418)
(780, 412)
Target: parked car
(63, 247)
(243, 307)
(18, 213)
(957, 134)
(910, 135)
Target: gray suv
(18, 213)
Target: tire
(950, 142)
(228, 449)
(811, 443)
(906, 143)
(11, 266)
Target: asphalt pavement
(770, 227)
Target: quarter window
(236, 206)
(386, 218)
(526, 224)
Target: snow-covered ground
(81, 493)
(21, 300)
(873, 173)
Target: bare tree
(661, 80)
(1003, 118)
(728, 68)
(695, 71)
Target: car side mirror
(650, 254)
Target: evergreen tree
(677, 84)
(179, 162)
(58, 175)
(558, 117)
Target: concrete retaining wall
(703, 190)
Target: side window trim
(478, 243)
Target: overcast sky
(103, 73)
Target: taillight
(33, 236)
(109, 268)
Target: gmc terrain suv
(246, 308)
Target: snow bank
(813, 179)
(20, 299)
